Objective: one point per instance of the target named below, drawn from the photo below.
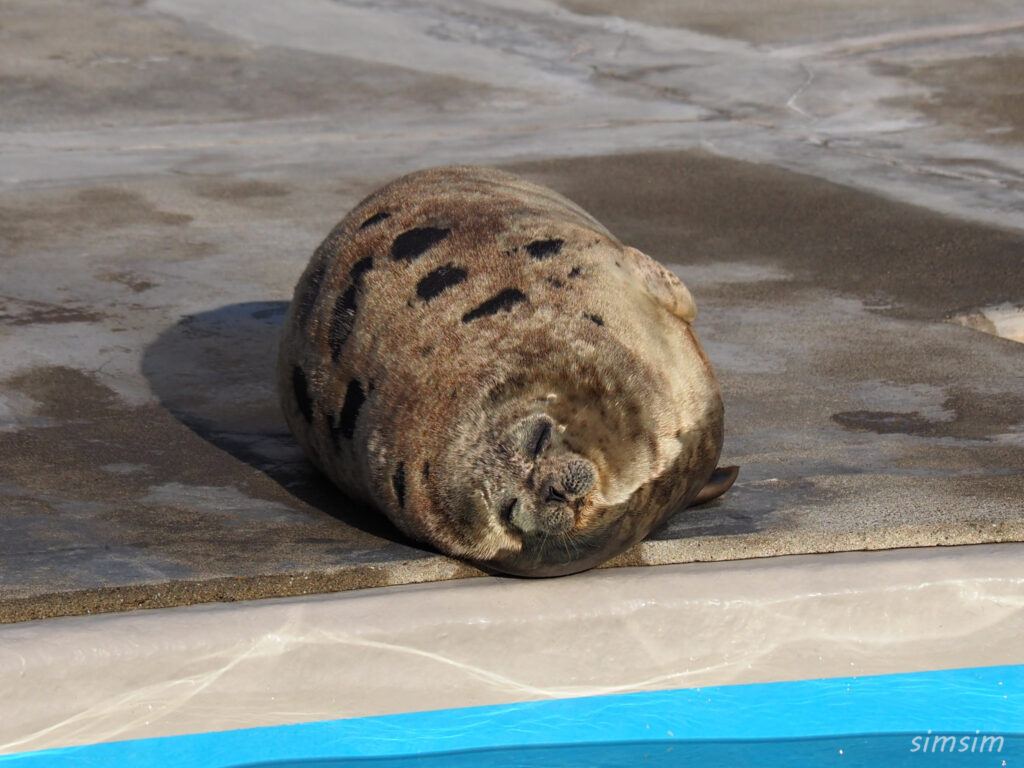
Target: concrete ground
(839, 185)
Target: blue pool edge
(978, 700)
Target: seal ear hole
(539, 437)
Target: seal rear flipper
(721, 480)
(667, 289)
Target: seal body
(482, 361)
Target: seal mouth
(555, 515)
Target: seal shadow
(214, 372)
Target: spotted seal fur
(482, 361)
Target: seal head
(558, 484)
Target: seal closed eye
(541, 437)
(543, 378)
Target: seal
(479, 359)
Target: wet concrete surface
(795, 20)
(974, 95)
(834, 190)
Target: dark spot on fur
(555, 282)
(301, 389)
(359, 269)
(376, 218)
(426, 470)
(545, 249)
(575, 272)
(594, 318)
(415, 242)
(398, 483)
(343, 317)
(354, 399)
(618, 265)
(310, 291)
(501, 301)
(440, 280)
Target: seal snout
(560, 495)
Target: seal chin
(559, 539)
(543, 555)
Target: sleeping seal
(482, 361)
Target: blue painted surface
(853, 721)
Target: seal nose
(569, 483)
(559, 494)
(556, 514)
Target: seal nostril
(554, 495)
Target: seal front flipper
(721, 480)
(667, 289)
